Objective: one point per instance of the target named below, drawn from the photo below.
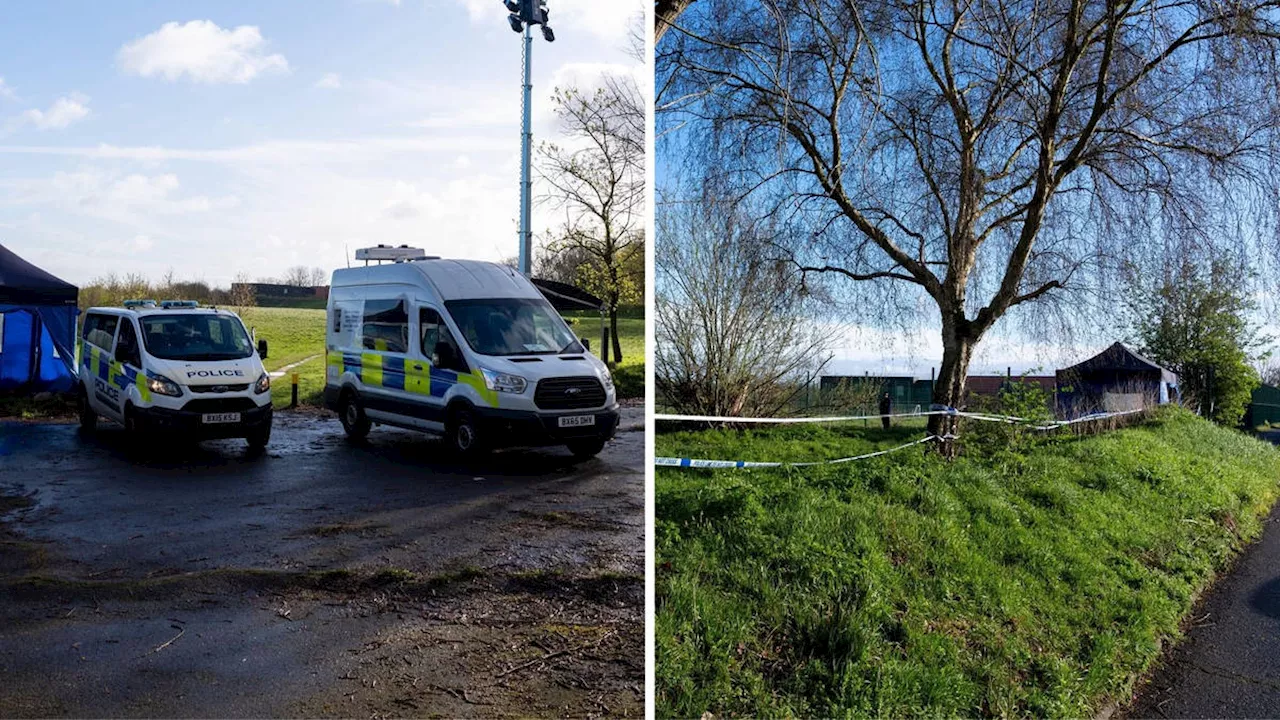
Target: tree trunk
(613, 333)
(665, 14)
(949, 387)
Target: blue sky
(214, 138)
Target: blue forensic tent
(37, 328)
(1114, 380)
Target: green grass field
(1037, 578)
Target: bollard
(293, 403)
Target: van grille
(206, 389)
(221, 405)
(573, 393)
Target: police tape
(782, 421)
(985, 417)
(743, 464)
(746, 464)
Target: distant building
(269, 293)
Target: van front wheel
(463, 434)
(354, 421)
(259, 438)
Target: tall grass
(1034, 580)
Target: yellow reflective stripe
(476, 381)
(144, 392)
(417, 377)
(371, 369)
(94, 360)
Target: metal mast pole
(526, 149)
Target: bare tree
(733, 335)
(297, 276)
(597, 179)
(319, 278)
(982, 156)
(243, 294)
(561, 264)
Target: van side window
(100, 330)
(127, 346)
(438, 344)
(386, 326)
(429, 328)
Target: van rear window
(386, 326)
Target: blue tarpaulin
(37, 328)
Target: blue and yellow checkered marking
(414, 376)
(97, 364)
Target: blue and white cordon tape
(744, 464)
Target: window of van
(100, 330)
(204, 336)
(438, 344)
(512, 326)
(127, 346)
(386, 326)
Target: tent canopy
(22, 283)
(564, 297)
(37, 328)
(1119, 358)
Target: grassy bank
(1039, 581)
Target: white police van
(465, 349)
(174, 367)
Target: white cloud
(62, 113)
(6, 90)
(202, 52)
(331, 81)
(112, 195)
(143, 242)
(281, 152)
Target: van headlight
(503, 382)
(164, 386)
(263, 384)
(607, 378)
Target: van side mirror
(585, 343)
(262, 349)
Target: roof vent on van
(386, 253)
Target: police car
(174, 367)
(465, 349)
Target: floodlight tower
(524, 15)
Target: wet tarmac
(320, 578)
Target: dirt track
(322, 579)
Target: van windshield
(512, 326)
(195, 337)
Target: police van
(465, 349)
(174, 367)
